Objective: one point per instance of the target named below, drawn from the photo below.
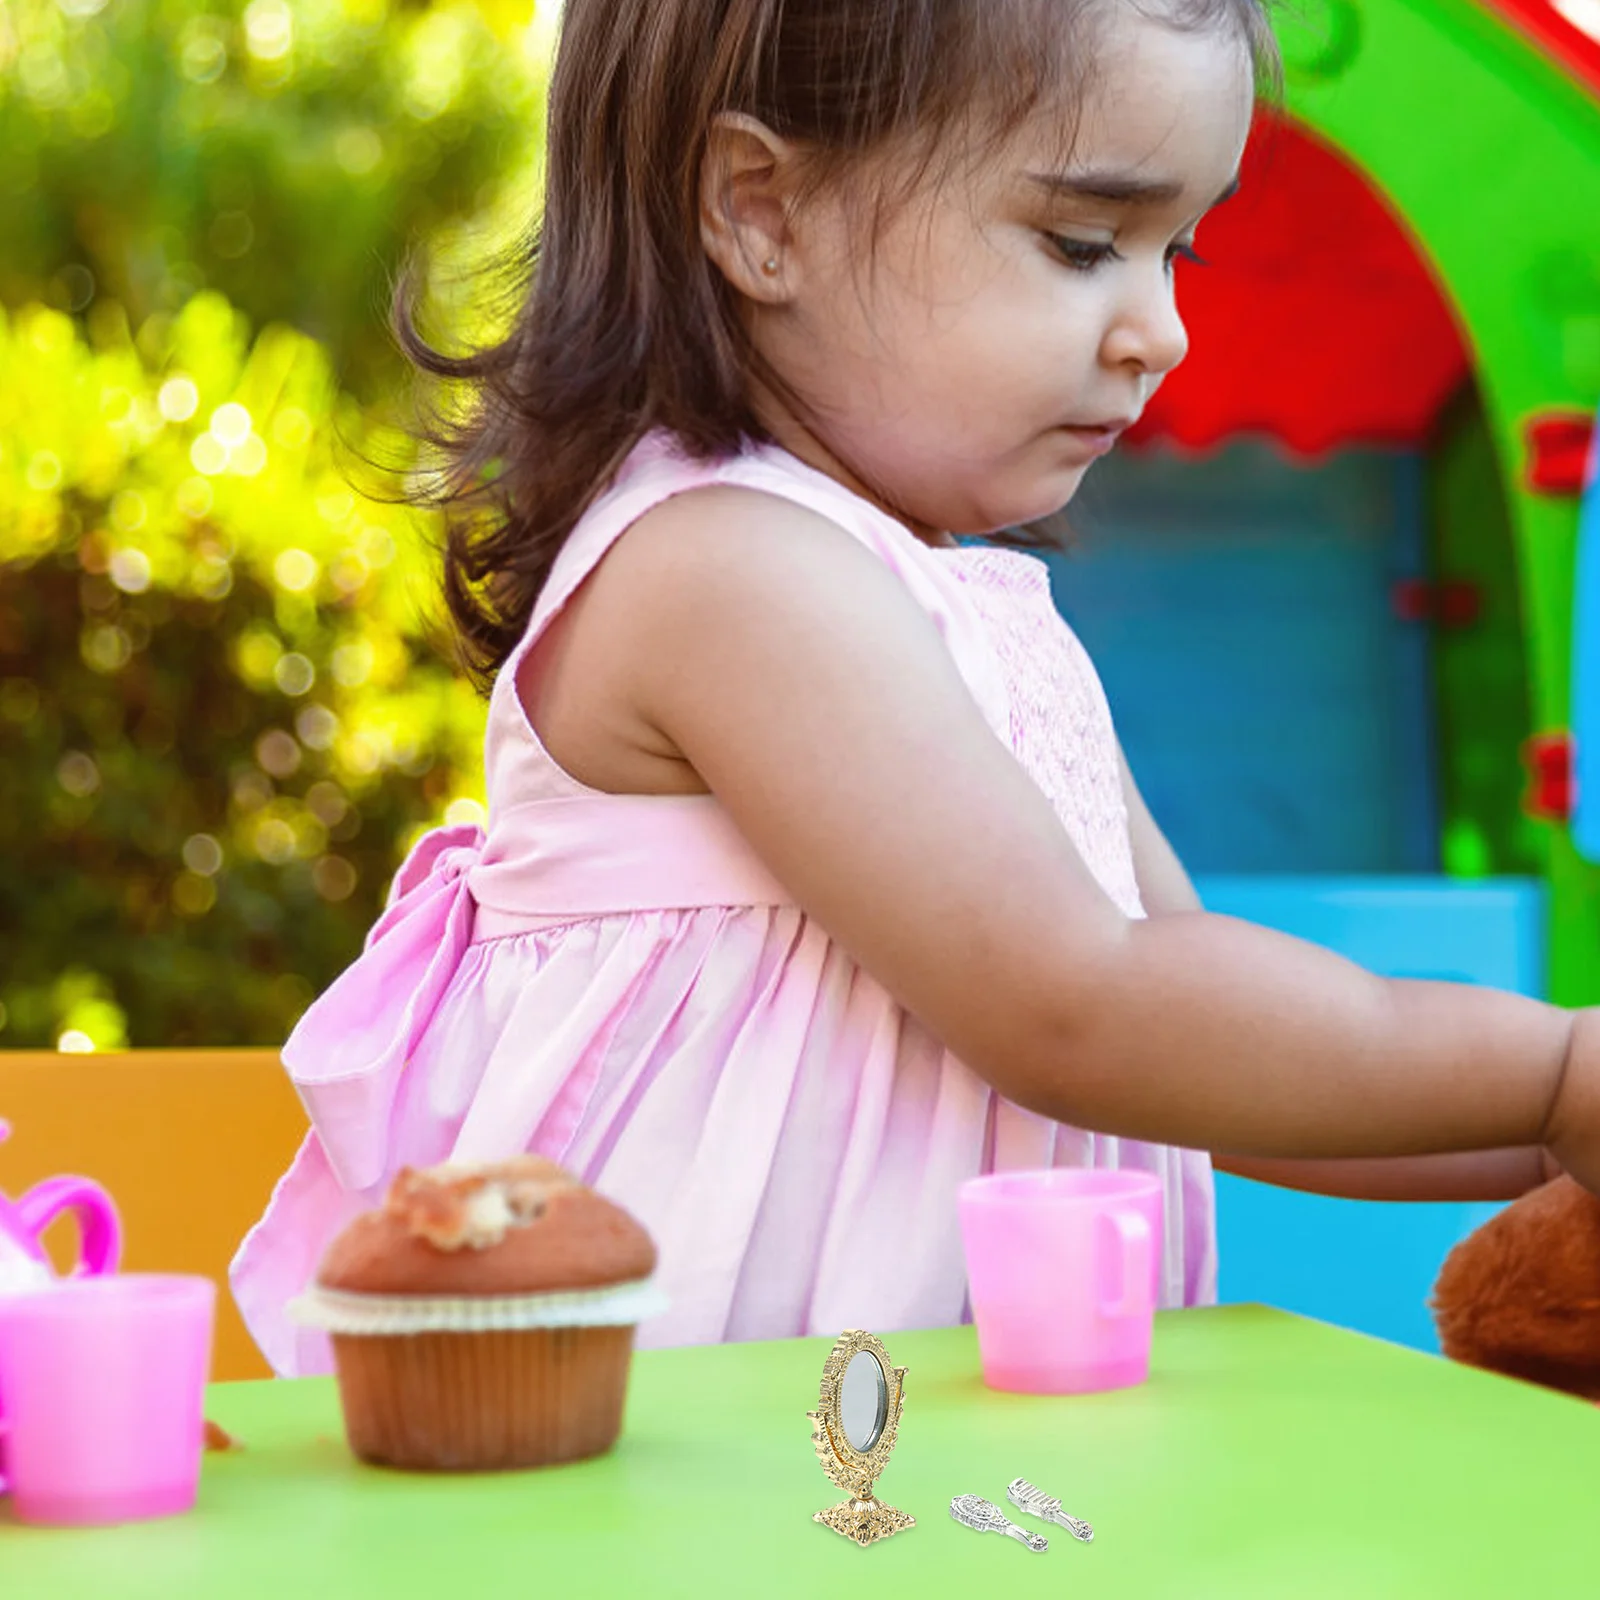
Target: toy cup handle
(1131, 1240)
(99, 1227)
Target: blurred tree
(284, 152)
(219, 715)
(220, 718)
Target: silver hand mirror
(853, 1430)
(982, 1516)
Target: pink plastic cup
(1063, 1270)
(102, 1386)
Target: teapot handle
(99, 1227)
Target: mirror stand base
(864, 1520)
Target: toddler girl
(814, 881)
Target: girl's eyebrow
(1123, 188)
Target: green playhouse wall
(1479, 670)
(1491, 155)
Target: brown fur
(1521, 1294)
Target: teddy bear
(1521, 1293)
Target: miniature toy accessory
(105, 1383)
(853, 1430)
(23, 1222)
(1063, 1266)
(1037, 1503)
(973, 1511)
(24, 1266)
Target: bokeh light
(222, 710)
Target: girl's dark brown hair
(624, 324)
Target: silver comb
(1037, 1503)
(973, 1511)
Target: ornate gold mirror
(854, 1429)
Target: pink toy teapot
(23, 1262)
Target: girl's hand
(1572, 1131)
(1552, 1167)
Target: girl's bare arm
(815, 698)
(1502, 1174)
(1453, 1175)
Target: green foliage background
(223, 712)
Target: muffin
(483, 1317)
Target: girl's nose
(1147, 333)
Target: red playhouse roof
(1321, 324)
(1317, 323)
(1569, 30)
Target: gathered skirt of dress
(789, 1135)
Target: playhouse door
(1276, 711)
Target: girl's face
(1014, 319)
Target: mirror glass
(863, 1401)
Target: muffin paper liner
(484, 1401)
(342, 1312)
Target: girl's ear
(746, 203)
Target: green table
(1268, 1456)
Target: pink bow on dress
(347, 1053)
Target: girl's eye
(1083, 255)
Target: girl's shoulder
(660, 470)
(767, 532)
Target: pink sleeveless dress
(618, 983)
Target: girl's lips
(1097, 437)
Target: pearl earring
(770, 266)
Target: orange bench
(189, 1142)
